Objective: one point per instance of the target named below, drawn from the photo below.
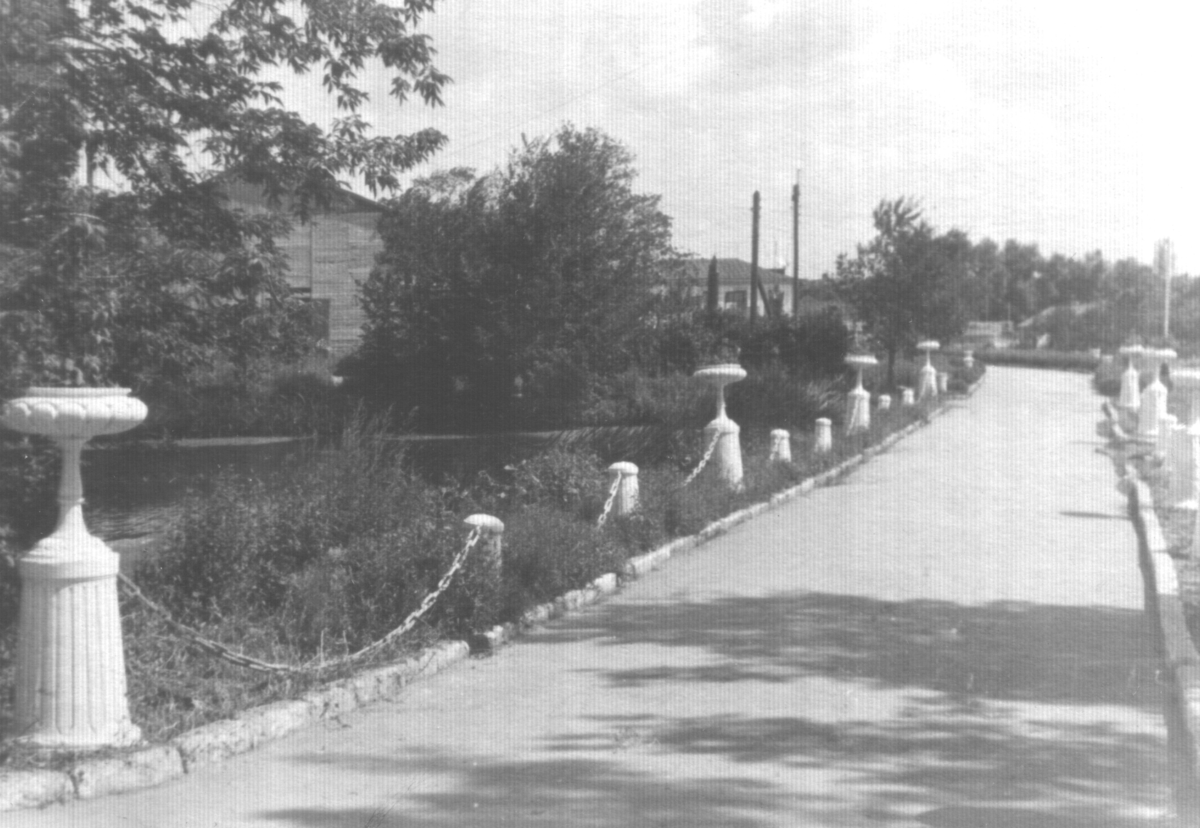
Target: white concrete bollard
(885, 402)
(858, 411)
(491, 533)
(969, 359)
(1194, 435)
(823, 436)
(943, 382)
(927, 384)
(1130, 397)
(626, 480)
(70, 683)
(1154, 397)
(781, 446)
(1162, 441)
(727, 456)
(1181, 493)
(906, 397)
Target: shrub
(548, 552)
(1061, 360)
(770, 398)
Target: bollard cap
(624, 468)
(780, 433)
(824, 421)
(487, 523)
(929, 345)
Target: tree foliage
(141, 286)
(533, 278)
(905, 284)
(135, 85)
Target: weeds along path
(953, 636)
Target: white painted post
(823, 436)
(906, 397)
(626, 480)
(858, 413)
(927, 386)
(71, 691)
(1130, 398)
(1181, 493)
(969, 359)
(781, 446)
(1163, 439)
(885, 402)
(727, 456)
(1154, 397)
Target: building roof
(733, 271)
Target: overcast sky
(1058, 123)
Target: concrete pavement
(953, 637)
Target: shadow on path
(1003, 650)
(1008, 715)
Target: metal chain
(201, 643)
(704, 460)
(416, 614)
(221, 651)
(608, 504)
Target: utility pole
(796, 247)
(754, 261)
(1164, 263)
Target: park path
(951, 637)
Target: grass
(337, 548)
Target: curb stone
(217, 741)
(1166, 614)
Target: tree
(712, 296)
(128, 84)
(544, 271)
(133, 87)
(905, 284)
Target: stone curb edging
(1166, 614)
(216, 741)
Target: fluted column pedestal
(70, 691)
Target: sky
(1062, 124)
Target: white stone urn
(858, 414)
(70, 691)
(727, 456)
(927, 386)
(1154, 398)
(1130, 397)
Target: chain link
(608, 504)
(708, 453)
(199, 641)
(214, 648)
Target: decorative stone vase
(1130, 398)
(858, 414)
(927, 386)
(1154, 398)
(727, 456)
(70, 690)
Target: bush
(267, 399)
(769, 398)
(1060, 360)
(548, 552)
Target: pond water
(135, 488)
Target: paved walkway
(952, 637)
